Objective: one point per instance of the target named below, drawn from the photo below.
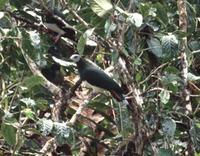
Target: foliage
(138, 39)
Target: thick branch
(183, 43)
(186, 94)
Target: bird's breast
(54, 28)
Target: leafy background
(136, 41)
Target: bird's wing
(99, 78)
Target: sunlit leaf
(45, 126)
(138, 61)
(28, 101)
(63, 133)
(29, 113)
(164, 96)
(170, 46)
(135, 19)
(101, 7)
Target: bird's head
(75, 58)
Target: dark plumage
(53, 74)
(56, 23)
(97, 77)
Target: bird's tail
(117, 96)
(122, 100)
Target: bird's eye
(75, 58)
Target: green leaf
(155, 46)
(138, 61)
(63, 133)
(5, 22)
(161, 12)
(83, 39)
(138, 77)
(165, 152)
(164, 96)
(144, 9)
(194, 45)
(33, 81)
(9, 133)
(2, 3)
(101, 7)
(81, 45)
(170, 46)
(29, 113)
(45, 126)
(42, 104)
(169, 127)
(171, 82)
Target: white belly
(54, 28)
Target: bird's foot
(57, 38)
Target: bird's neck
(81, 64)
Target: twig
(78, 113)
(76, 15)
(196, 51)
(49, 147)
(156, 89)
(153, 72)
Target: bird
(53, 73)
(55, 21)
(95, 76)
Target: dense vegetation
(149, 47)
